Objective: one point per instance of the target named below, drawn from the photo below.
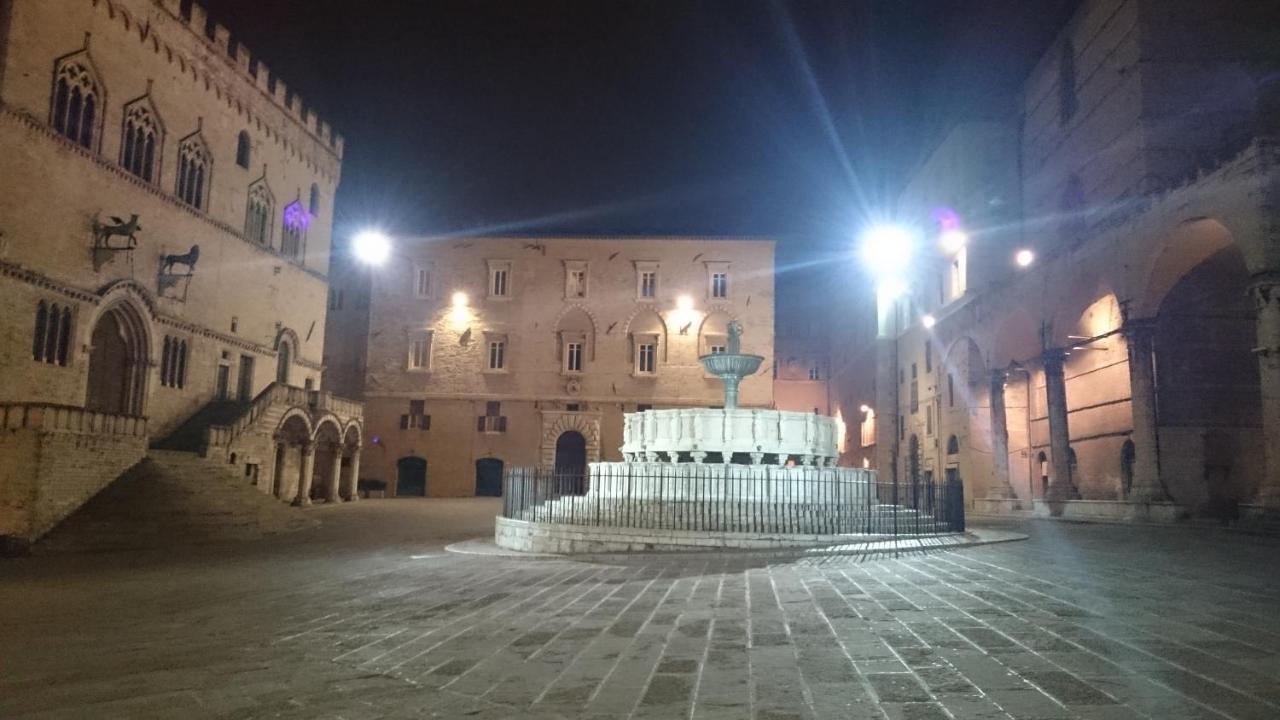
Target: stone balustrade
(738, 435)
(66, 418)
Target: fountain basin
(730, 436)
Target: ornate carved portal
(557, 422)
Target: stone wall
(53, 459)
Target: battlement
(197, 19)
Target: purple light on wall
(946, 218)
(296, 216)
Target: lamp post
(886, 251)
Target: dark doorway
(571, 462)
(488, 477)
(1042, 461)
(244, 390)
(117, 364)
(411, 476)
(282, 363)
(222, 384)
(1127, 453)
(277, 473)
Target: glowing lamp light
(460, 299)
(684, 303)
(865, 408)
(1024, 258)
(928, 321)
(953, 241)
(371, 247)
(886, 249)
(891, 289)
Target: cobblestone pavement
(369, 617)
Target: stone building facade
(1130, 368)
(491, 352)
(165, 226)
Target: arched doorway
(488, 477)
(571, 461)
(118, 363)
(411, 476)
(283, 359)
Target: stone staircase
(173, 498)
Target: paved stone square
(368, 617)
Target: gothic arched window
(51, 341)
(242, 149)
(296, 221)
(143, 138)
(257, 220)
(194, 167)
(314, 206)
(76, 100)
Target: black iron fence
(760, 499)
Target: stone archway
(119, 357)
(556, 423)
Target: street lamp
(1024, 258)
(371, 247)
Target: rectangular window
(422, 282)
(573, 357)
(493, 421)
(642, 407)
(646, 358)
(573, 407)
(928, 420)
(717, 349)
(497, 354)
(815, 372)
(720, 285)
(576, 284)
(420, 353)
(498, 288)
(648, 284)
(951, 391)
(928, 356)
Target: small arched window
(193, 171)
(257, 221)
(173, 363)
(242, 149)
(296, 221)
(76, 99)
(143, 138)
(953, 445)
(314, 205)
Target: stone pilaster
(304, 477)
(1147, 486)
(1001, 488)
(353, 477)
(1061, 485)
(1265, 291)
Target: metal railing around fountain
(791, 500)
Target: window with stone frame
(293, 239)
(575, 279)
(143, 140)
(194, 166)
(915, 390)
(646, 355)
(499, 279)
(646, 279)
(258, 213)
(52, 338)
(493, 421)
(173, 362)
(815, 372)
(496, 352)
(717, 279)
(420, 351)
(417, 417)
(77, 99)
(573, 352)
(424, 280)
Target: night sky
(785, 119)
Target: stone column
(353, 477)
(1140, 336)
(1061, 485)
(1265, 291)
(1001, 488)
(886, 453)
(335, 476)
(304, 478)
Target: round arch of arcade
(316, 459)
(553, 426)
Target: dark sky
(788, 119)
